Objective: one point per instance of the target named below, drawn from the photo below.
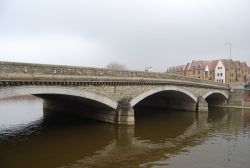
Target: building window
(221, 74)
(218, 74)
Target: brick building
(223, 70)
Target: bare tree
(116, 66)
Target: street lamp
(230, 56)
(148, 69)
(230, 47)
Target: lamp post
(230, 47)
(230, 56)
(148, 69)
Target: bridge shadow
(66, 106)
(216, 99)
(169, 100)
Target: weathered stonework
(202, 105)
(120, 91)
(43, 71)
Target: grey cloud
(138, 33)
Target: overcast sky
(137, 33)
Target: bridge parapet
(13, 70)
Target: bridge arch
(216, 98)
(39, 90)
(215, 92)
(150, 92)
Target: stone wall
(239, 97)
(247, 97)
(236, 97)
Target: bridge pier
(125, 116)
(125, 113)
(202, 105)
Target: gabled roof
(201, 64)
(187, 67)
(236, 63)
(244, 64)
(227, 63)
(197, 65)
(212, 64)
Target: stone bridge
(108, 95)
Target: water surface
(160, 138)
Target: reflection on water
(159, 139)
(18, 111)
(20, 116)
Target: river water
(160, 138)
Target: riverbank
(236, 107)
